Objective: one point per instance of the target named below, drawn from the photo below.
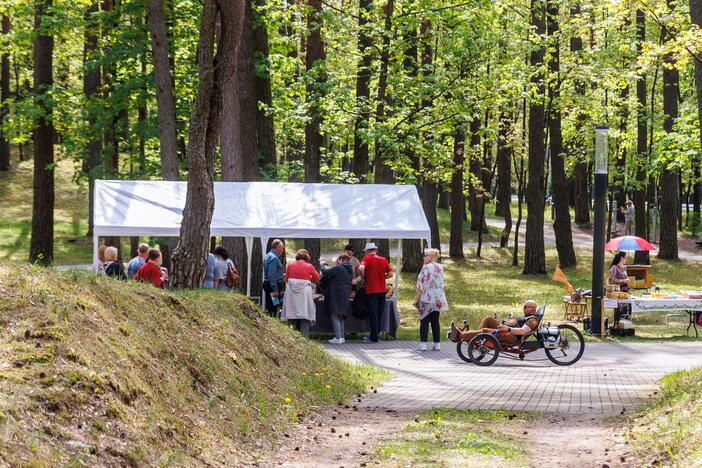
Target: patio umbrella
(629, 243)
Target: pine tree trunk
(669, 177)
(641, 257)
(474, 166)
(165, 100)
(190, 256)
(315, 88)
(458, 199)
(561, 224)
(4, 96)
(91, 85)
(239, 149)
(363, 75)
(534, 253)
(382, 172)
(696, 17)
(581, 192)
(42, 243)
(504, 178)
(264, 120)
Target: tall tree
(382, 172)
(504, 177)
(458, 203)
(91, 86)
(4, 96)
(669, 176)
(696, 17)
(363, 76)
(264, 120)
(582, 193)
(561, 224)
(239, 132)
(315, 64)
(534, 252)
(165, 100)
(42, 244)
(641, 257)
(189, 256)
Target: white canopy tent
(265, 210)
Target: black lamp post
(598, 238)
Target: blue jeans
(376, 305)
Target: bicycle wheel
(570, 349)
(462, 350)
(483, 349)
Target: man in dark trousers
(375, 270)
(273, 277)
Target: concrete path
(610, 377)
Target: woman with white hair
(113, 267)
(430, 299)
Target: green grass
(98, 371)
(668, 432)
(457, 438)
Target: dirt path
(338, 437)
(568, 440)
(347, 437)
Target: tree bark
(504, 177)
(561, 224)
(582, 194)
(239, 149)
(474, 166)
(4, 96)
(458, 199)
(42, 244)
(315, 64)
(264, 120)
(641, 257)
(363, 75)
(696, 17)
(534, 253)
(190, 256)
(668, 248)
(91, 85)
(165, 100)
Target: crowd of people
(289, 291)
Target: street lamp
(598, 238)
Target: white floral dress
(431, 284)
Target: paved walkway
(608, 378)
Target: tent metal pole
(397, 271)
(249, 251)
(264, 241)
(95, 252)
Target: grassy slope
(668, 432)
(94, 370)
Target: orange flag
(559, 277)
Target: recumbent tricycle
(564, 345)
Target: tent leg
(397, 271)
(95, 252)
(249, 251)
(264, 242)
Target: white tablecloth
(655, 305)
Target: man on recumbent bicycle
(508, 333)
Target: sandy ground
(347, 437)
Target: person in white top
(430, 299)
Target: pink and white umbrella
(629, 243)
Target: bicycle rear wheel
(570, 349)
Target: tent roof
(264, 209)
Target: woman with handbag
(298, 302)
(337, 282)
(430, 299)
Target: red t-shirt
(149, 273)
(376, 269)
(300, 269)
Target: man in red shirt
(375, 270)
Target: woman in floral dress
(430, 299)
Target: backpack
(233, 278)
